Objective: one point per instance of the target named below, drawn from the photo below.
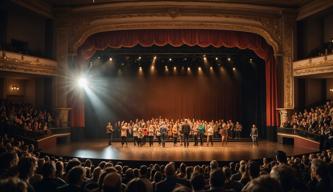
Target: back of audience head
(112, 182)
(217, 179)
(263, 184)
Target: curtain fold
(189, 37)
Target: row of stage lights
(139, 61)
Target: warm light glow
(188, 69)
(331, 90)
(211, 68)
(170, 59)
(139, 58)
(234, 68)
(110, 59)
(155, 57)
(166, 68)
(199, 68)
(175, 68)
(14, 88)
(216, 58)
(140, 68)
(82, 82)
(229, 59)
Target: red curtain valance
(189, 37)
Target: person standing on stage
(145, 133)
(195, 132)
(135, 134)
(151, 134)
(186, 128)
(254, 134)
(238, 129)
(109, 131)
(210, 133)
(164, 133)
(124, 133)
(175, 133)
(140, 136)
(158, 134)
(201, 130)
(224, 133)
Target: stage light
(82, 82)
(170, 59)
(229, 59)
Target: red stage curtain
(189, 37)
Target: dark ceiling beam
(313, 7)
(36, 6)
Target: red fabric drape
(189, 37)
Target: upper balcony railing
(313, 66)
(21, 63)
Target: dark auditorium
(166, 96)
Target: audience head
(281, 157)
(197, 182)
(217, 179)
(262, 184)
(136, 185)
(112, 182)
(76, 175)
(170, 169)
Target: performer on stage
(164, 133)
(175, 133)
(140, 136)
(151, 134)
(201, 130)
(136, 134)
(195, 132)
(224, 133)
(158, 134)
(186, 128)
(238, 129)
(124, 133)
(109, 131)
(210, 133)
(254, 134)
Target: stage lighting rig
(82, 82)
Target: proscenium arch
(105, 25)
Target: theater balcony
(20, 63)
(313, 66)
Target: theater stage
(234, 151)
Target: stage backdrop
(215, 94)
(176, 38)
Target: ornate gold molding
(14, 62)
(313, 66)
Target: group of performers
(179, 130)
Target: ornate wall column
(61, 81)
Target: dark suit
(186, 128)
(170, 183)
(69, 188)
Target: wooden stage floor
(234, 151)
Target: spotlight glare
(82, 82)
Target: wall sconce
(14, 88)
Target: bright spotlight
(82, 82)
